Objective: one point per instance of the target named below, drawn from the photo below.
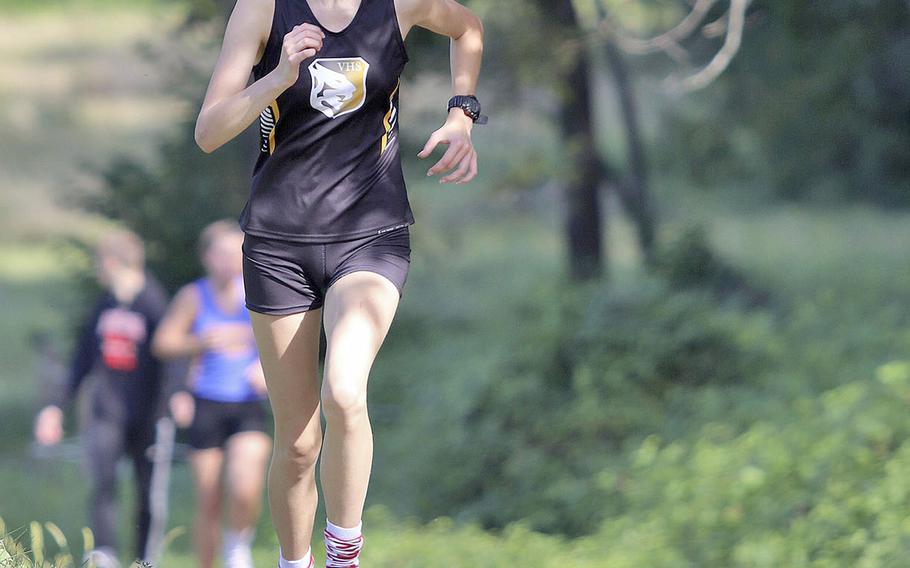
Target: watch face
(471, 105)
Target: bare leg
(248, 454)
(206, 476)
(289, 351)
(359, 308)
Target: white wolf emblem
(338, 84)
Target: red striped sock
(342, 552)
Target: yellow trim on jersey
(274, 106)
(386, 120)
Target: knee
(301, 452)
(247, 498)
(209, 504)
(343, 402)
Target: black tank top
(329, 166)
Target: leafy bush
(827, 488)
(689, 262)
(583, 378)
(813, 107)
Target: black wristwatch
(471, 107)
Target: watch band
(471, 107)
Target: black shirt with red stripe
(115, 343)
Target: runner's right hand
(228, 339)
(300, 43)
(49, 426)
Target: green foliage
(573, 423)
(169, 202)
(814, 106)
(18, 6)
(690, 263)
(586, 375)
(825, 487)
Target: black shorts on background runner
(215, 421)
(282, 277)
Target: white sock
(343, 533)
(237, 547)
(285, 563)
(232, 538)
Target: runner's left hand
(456, 132)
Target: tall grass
(33, 553)
(37, 552)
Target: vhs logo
(339, 84)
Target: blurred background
(666, 326)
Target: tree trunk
(584, 227)
(633, 191)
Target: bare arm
(449, 18)
(173, 337)
(49, 421)
(230, 106)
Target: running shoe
(101, 557)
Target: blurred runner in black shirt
(114, 347)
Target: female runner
(326, 224)
(224, 404)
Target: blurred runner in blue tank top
(223, 404)
(228, 374)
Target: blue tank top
(219, 375)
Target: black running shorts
(215, 421)
(284, 277)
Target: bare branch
(668, 41)
(677, 53)
(730, 25)
(735, 23)
(716, 28)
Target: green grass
(56, 6)
(403, 544)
